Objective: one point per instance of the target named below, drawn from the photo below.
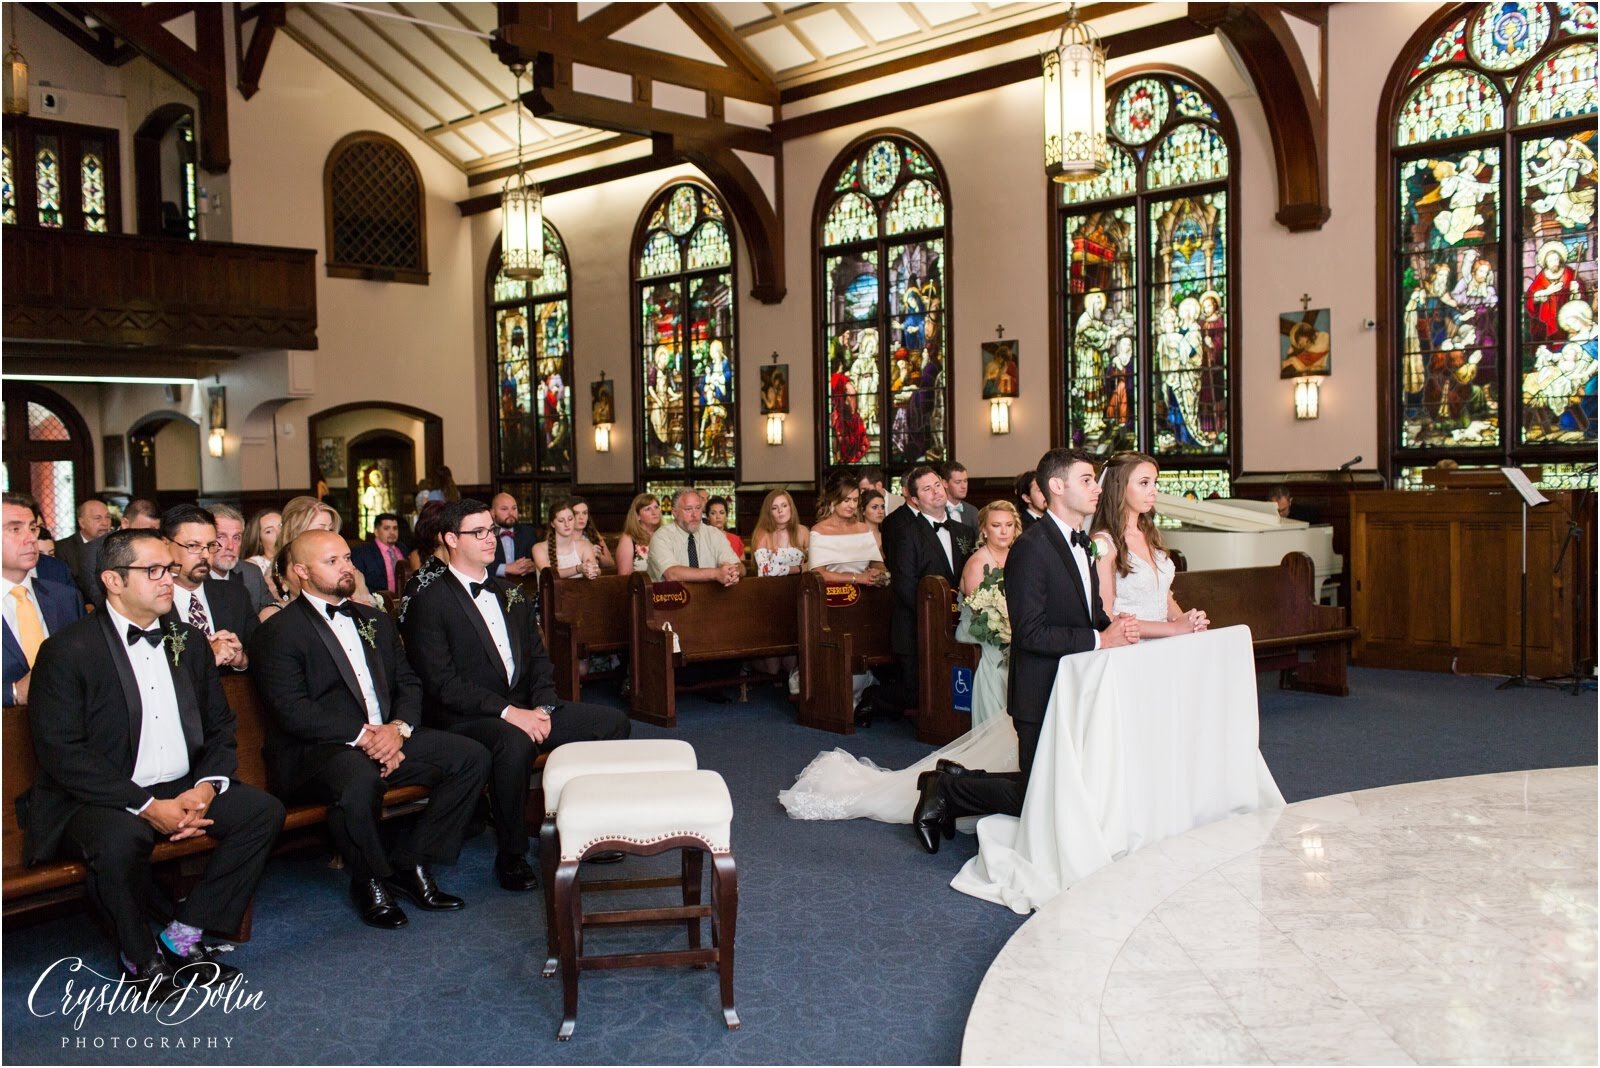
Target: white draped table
(1140, 743)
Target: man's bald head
(320, 559)
(504, 509)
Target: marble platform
(1450, 922)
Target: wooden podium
(1436, 580)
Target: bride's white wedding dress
(838, 786)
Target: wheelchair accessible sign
(961, 689)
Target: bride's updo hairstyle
(1110, 517)
(839, 485)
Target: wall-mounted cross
(1305, 302)
(999, 332)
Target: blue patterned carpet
(851, 946)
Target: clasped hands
(1124, 630)
(382, 744)
(728, 574)
(1195, 618)
(228, 649)
(534, 722)
(183, 816)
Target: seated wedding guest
(779, 541)
(1133, 567)
(871, 478)
(47, 544)
(474, 642)
(345, 714)
(896, 515)
(140, 514)
(633, 548)
(872, 510)
(1032, 497)
(225, 562)
(261, 548)
(307, 513)
(377, 558)
(513, 541)
(46, 566)
(34, 607)
(843, 548)
(135, 746)
(571, 555)
(1053, 601)
(688, 550)
(215, 607)
(955, 494)
(717, 516)
(580, 521)
(94, 521)
(427, 551)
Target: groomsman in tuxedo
(1031, 498)
(926, 542)
(135, 744)
(474, 641)
(346, 718)
(218, 609)
(1053, 598)
(513, 541)
(225, 561)
(34, 608)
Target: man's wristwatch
(403, 727)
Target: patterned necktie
(30, 628)
(197, 614)
(694, 552)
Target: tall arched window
(1491, 337)
(884, 289)
(47, 452)
(685, 382)
(1146, 283)
(530, 369)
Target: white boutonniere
(368, 629)
(1093, 549)
(514, 596)
(176, 642)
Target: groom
(1053, 598)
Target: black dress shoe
(378, 909)
(950, 768)
(932, 815)
(515, 873)
(198, 963)
(417, 884)
(605, 856)
(154, 975)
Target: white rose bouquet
(991, 620)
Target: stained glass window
(92, 174)
(1493, 273)
(687, 354)
(531, 367)
(1147, 287)
(47, 180)
(883, 313)
(8, 188)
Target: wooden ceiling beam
(613, 17)
(253, 58)
(722, 41)
(604, 113)
(663, 156)
(619, 141)
(101, 44)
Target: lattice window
(374, 201)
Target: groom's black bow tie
(153, 635)
(343, 608)
(1081, 540)
(475, 588)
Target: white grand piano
(1227, 533)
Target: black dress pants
(116, 846)
(347, 781)
(981, 793)
(511, 752)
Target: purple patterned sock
(180, 937)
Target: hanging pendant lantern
(521, 214)
(1075, 104)
(16, 99)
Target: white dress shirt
(182, 598)
(163, 750)
(8, 604)
(494, 617)
(349, 638)
(943, 534)
(1080, 556)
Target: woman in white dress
(1135, 570)
(569, 552)
(633, 548)
(780, 540)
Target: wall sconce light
(217, 396)
(1000, 380)
(214, 443)
(1306, 400)
(602, 411)
(1000, 415)
(775, 398)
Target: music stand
(1531, 498)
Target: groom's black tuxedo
(1051, 616)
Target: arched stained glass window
(1493, 272)
(883, 221)
(685, 379)
(8, 187)
(530, 366)
(47, 180)
(92, 180)
(59, 175)
(1146, 280)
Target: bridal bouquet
(991, 622)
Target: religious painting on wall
(603, 401)
(330, 457)
(775, 389)
(377, 493)
(1304, 344)
(884, 309)
(1000, 373)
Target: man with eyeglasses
(347, 725)
(139, 514)
(34, 607)
(225, 561)
(218, 609)
(135, 745)
(474, 641)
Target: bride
(1135, 576)
(838, 786)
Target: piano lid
(1231, 514)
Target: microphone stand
(1582, 603)
(1521, 680)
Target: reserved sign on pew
(668, 596)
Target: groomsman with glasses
(219, 609)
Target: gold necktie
(30, 628)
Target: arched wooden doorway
(164, 458)
(383, 477)
(47, 452)
(164, 174)
(350, 439)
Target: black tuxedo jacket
(912, 550)
(312, 694)
(86, 715)
(230, 609)
(523, 537)
(1051, 615)
(461, 671)
(73, 551)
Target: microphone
(1348, 464)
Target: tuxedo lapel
(188, 704)
(475, 619)
(514, 628)
(380, 677)
(1070, 562)
(324, 633)
(117, 644)
(932, 545)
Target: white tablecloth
(1139, 743)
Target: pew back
(581, 617)
(844, 630)
(938, 653)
